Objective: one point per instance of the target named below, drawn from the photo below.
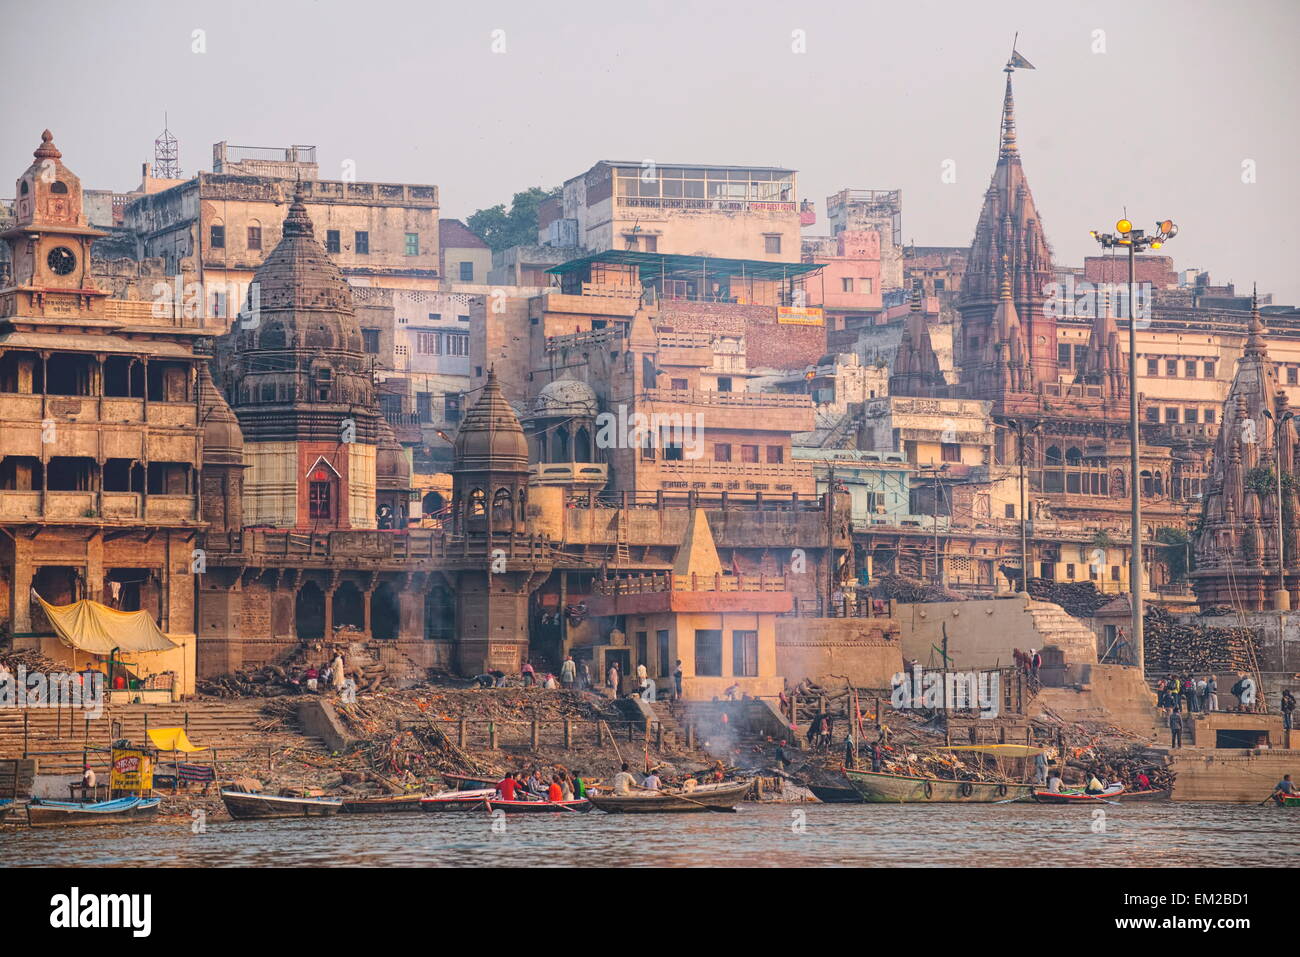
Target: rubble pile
(1178, 648)
(1080, 599)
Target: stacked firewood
(33, 662)
(1080, 599)
(903, 589)
(1176, 647)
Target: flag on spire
(1017, 62)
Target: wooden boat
(5, 808)
(724, 796)
(830, 794)
(244, 806)
(581, 805)
(1152, 795)
(468, 782)
(1075, 796)
(388, 804)
(1290, 801)
(877, 787)
(468, 800)
(128, 810)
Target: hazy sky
(1162, 121)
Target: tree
(518, 227)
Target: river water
(768, 835)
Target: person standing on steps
(1175, 728)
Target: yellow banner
(800, 315)
(132, 770)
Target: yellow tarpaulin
(172, 739)
(98, 629)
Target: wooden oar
(710, 807)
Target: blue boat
(128, 810)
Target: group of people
(563, 786)
(1197, 694)
(1028, 663)
(334, 676)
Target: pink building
(849, 285)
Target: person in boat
(555, 793)
(877, 753)
(1143, 782)
(651, 782)
(624, 782)
(1283, 789)
(1054, 781)
(579, 786)
(690, 784)
(1040, 768)
(1094, 785)
(506, 786)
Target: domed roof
(490, 437)
(223, 442)
(392, 470)
(304, 301)
(564, 398)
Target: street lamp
(1137, 240)
(1281, 599)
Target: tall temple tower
(1009, 250)
(494, 559)
(1236, 543)
(299, 382)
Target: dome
(490, 438)
(223, 442)
(565, 398)
(392, 470)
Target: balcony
(705, 205)
(97, 507)
(584, 474)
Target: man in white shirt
(624, 782)
(651, 782)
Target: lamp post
(1136, 240)
(1281, 598)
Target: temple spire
(1255, 345)
(1008, 120)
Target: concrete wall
(867, 651)
(1230, 775)
(981, 634)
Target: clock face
(61, 260)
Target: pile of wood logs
(903, 589)
(1080, 599)
(32, 661)
(267, 682)
(1178, 648)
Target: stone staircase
(1062, 630)
(1115, 695)
(234, 726)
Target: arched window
(523, 504)
(560, 445)
(1073, 456)
(582, 446)
(59, 187)
(501, 505)
(1053, 455)
(477, 503)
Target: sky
(1181, 109)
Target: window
(400, 350)
(1189, 416)
(428, 343)
(424, 406)
(361, 240)
(938, 285)
(1069, 572)
(412, 244)
(722, 452)
(846, 284)
(708, 652)
(1063, 354)
(332, 241)
(744, 654)
(681, 385)
(673, 451)
(775, 455)
(451, 407)
(1114, 573)
(457, 344)
(217, 237)
(318, 500)
(435, 316)
(1291, 372)
(1153, 367)
(466, 272)
(1189, 368)
(370, 340)
(950, 452)
(724, 383)
(749, 453)
(772, 243)
(1171, 367)
(1209, 416)
(661, 649)
(1171, 415)
(1209, 370)
(254, 237)
(1153, 414)
(1010, 511)
(462, 318)
(651, 244)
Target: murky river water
(1169, 835)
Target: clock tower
(49, 245)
